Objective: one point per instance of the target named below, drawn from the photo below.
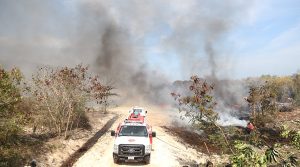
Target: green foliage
(285, 87)
(285, 132)
(291, 161)
(271, 155)
(56, 102)
(10, 93)
(10, 97)
(10, 129)
(296, 139)
(255, 139)
(293, 135)
(10, 157)
(262, 102)
(246, 156)
(218, 140)
(9, 132)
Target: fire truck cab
(133, 140)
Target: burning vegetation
(54, 103)
(265, 141)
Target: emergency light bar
(133, 121)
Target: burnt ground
(291, 119)
(193, 139)
(270, 135)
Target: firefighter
(250, 127)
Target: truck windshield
(133, 131)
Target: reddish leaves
(199, 105)
(62, 95)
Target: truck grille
(131, 150)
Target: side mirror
(112, 133)
(153, 134)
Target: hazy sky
(264, 40)
(269, 42)
(171, 38)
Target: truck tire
(116, 160)
(147, 159)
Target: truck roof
(136, 118)
(130, 123)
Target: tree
(296, 84)
(10, 98)
(10, 92)
(198, 106)
(62, 95)
(262, 103)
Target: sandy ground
(167, 151)
(62, 149)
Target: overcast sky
(175, 39)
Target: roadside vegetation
(55, 102)
(52, 104)
(11, 117)
(274, 141)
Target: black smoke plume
(110, 36)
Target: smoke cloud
(111, 37)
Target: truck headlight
(116, 148)
(148, 148)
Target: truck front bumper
(132, 158)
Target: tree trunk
(68, 121)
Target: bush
(10, 97)
(262, 103)
(293, 135)
(246, 155)
(61, 96)
(296, 84)
(10, 129)
(198, 107)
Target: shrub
(61, 96)
(10, 98)
(262, 103)
(198, 107)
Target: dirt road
(167, 151)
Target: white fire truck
(133, 139)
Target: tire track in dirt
(167, 151)
(90, 143)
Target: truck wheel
(147, 159)
(116, 159)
